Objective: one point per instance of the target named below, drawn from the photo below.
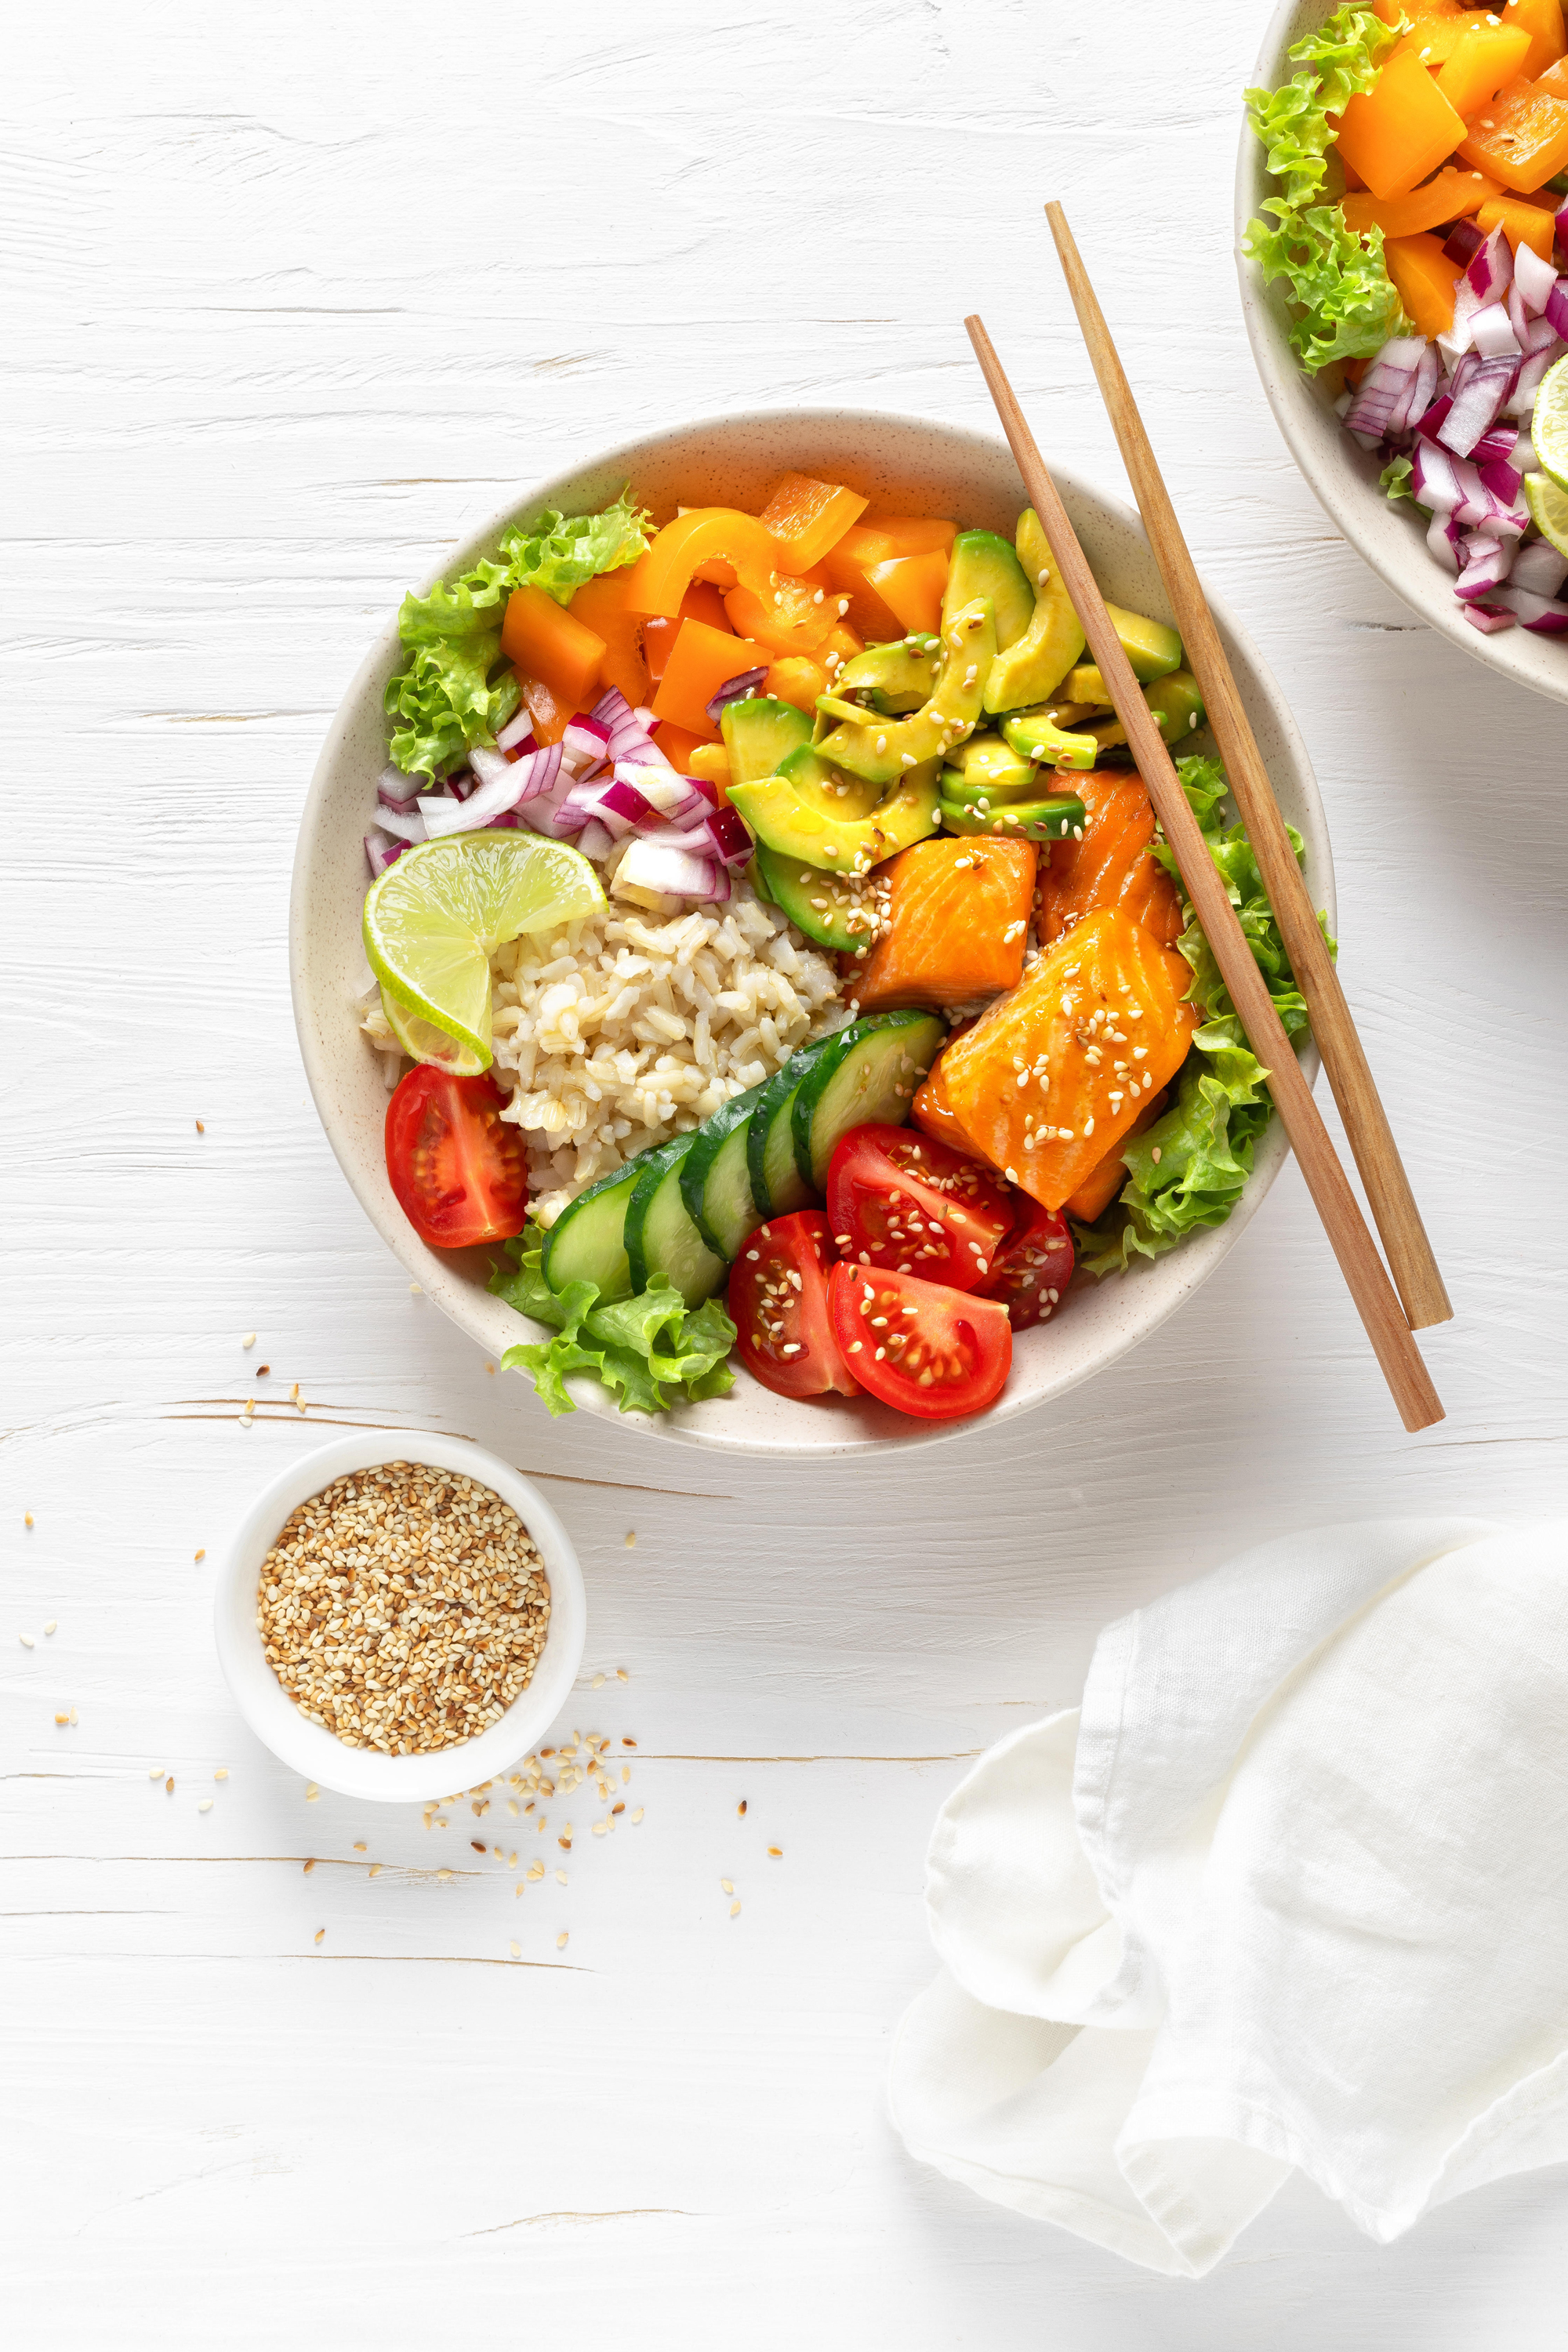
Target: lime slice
(1548, 422)
(423, 1042)
(437, 916)
(1548, 510)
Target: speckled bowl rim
(1340, 475)
(1105, 1320)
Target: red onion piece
(1443, 540)
(1542, 614)
(1521, 401)
(1501, 481)
(1539, 569)
(1487, 617)
(595, 841)
(1485, 567)
(736, 689)
(1496, 445)
(671, 868)
(1555, 312)
(405, 825)
(626, 735)
(381, 850)
(725, 833)
(1463, 242)
(1431, 425)
(1533, 279)
(517, 735)
(1432, 484)
(1480, 387)
(1490, 270)
(1493, 334)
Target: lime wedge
(1548, 510)
(437, 916)
(423, 1042)
(1548, 422)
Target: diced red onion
(459, 786)
(1490, 270)
(381, 850)
(1443, 538)
(584, 748)
(1421, 391)
(503, 785)
(595, 840)
(1433, 482)
(1496, 445)
(747, 681)
(1539, 568)
(1556, 310)
(724, 832)
(406, 825)
(675, 799)
(1480, 387)
(394, 790)
(1543, 614)
(1463, 242)
(1429, 426)
(1485, 567)
(517, 735)
(1493, 334)
(1487, 617)
(627, 734)
(525, 778)
(1519, 317)
(1540, 335)
(1535, 278)
(594, 726)
(1523, 457)
(673, 869)
(1521, 401)
(584, 801)
(1502, 480)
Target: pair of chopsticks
(1389, 1325)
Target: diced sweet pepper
(1424, 278)
(700, 602)
(1521, 223)
(1484, 56)
(727, 545)
(601, 605)
(551, 716)
(1522, 138)
(700, 661)
(880, 538)
(1452, 195)
(808, 517)
(1543, 20)
(793, 616)
(913, 586)
(1399, 130)
(798, 680)
(542, 638)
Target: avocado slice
(760, 733)
(1035, 735)
(986, 764)
(983, 565)
(1040, 820)
(956, 786)
(1177, 703)
(898, 676)
(1085, 684)
(1152, 649)
(794, 819)
(882, 753)
(1034, 665)
(836, 911)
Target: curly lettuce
(1348, 306)
(445, 701)
(1190, 1168)
(640, 1347)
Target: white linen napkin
(1290, 1890)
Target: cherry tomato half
(900, 1199)
(458, 1170)
(921, 1346)
(778, 1303)
(1031, 1271)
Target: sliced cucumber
(714, 1183)
(867, 1072)
(776, 1183)
(818, 902)
(587, 1241)
(660, 1236)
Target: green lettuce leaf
(639, 1348)
(1188, 1169)
(444, 701)
(560, 552)
(1394, 479)
(1348, 307)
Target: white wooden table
(291, 298)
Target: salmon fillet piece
(958, 918)
(1111, 866)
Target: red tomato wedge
(460, 1172)
(778, 1303)
(1031, 1271)
(928, 1349)
(900, 1199)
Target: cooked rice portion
(629, 1027)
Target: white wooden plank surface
(290, 299)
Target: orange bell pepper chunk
(912, 587)
(701, 603)
(601, 605)
(1424, 279)
(793, 616)
(1421, 12)
(727, 545)
(1102, 1185)
(700, 661)
(551, 718)
(880, 538)
(1520, 224)
(543, 638)
(1452, 195)
(840, 646)
(1108, 981)
(1483, 57)
(1522, 138)
(958, 915)
(1543, 20)
(907, 534)
(807, 518)
(798, 680)
(1399, 130)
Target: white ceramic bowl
(913, 465)
(360, 1771)
(1343, 477)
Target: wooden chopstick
(1410, 1258)
(1353, 1245)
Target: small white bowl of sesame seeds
(398, 1621)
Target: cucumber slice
(714, 1183)
(836, 911)
(776, 1184)
(587, 1241)
(661, 1237)
(867, 1072)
